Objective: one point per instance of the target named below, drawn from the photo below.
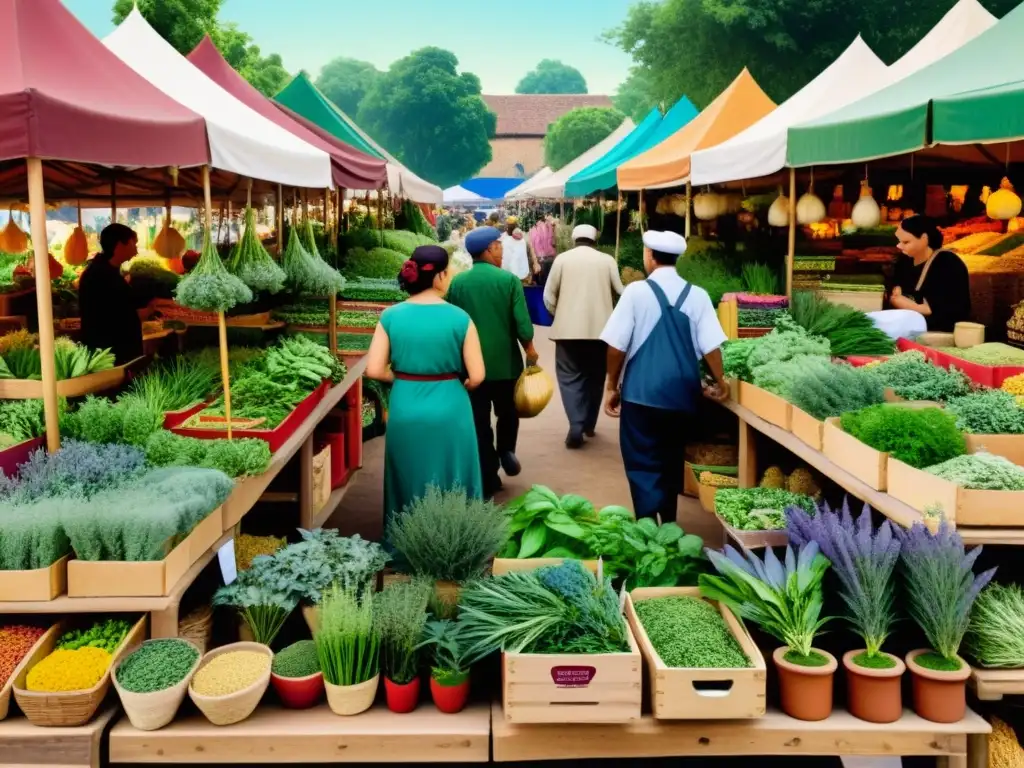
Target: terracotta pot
(939, 696)
(299, 692)
(806, 692)
(874, 695)
(450, 699)
(402, 698)
(352, 699)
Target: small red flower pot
(450, 699)
(402, 698)
(299, 692)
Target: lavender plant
(784, 598)
(864, 559)
(941, 588)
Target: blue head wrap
(479, 240)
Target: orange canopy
(739, 106)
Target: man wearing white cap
(580, 291)
(658, 333)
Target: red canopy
(64, 96)
(352, 169)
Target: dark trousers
(581, 365)
(545, 270)
(498, 396)
(653, 442)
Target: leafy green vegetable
(209, 287)
(241, 457)
(383, 263)
(544, 525)
(758, 509)
(988, 412)
(175, 384)
(981, 472)
(758, 318)
(106, 635)
(23, 419)
(780, 378)
(644, 553)
(826, 392)
(920, 437)
(690, 633)
(848, 330)
(912, 377)
(373, 290)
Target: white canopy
(961, 24)
(552, 186)
(760, 150)
(241, 140)
(539, 176)
(461, 196)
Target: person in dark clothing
(108, 306)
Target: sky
(498, 42)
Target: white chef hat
(671, 243)
(584, 232)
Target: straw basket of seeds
(230, 682)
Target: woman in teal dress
(431, 351)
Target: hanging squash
(731, 203)
(778, 213)
(76, 247)
(12, 239)
(866, 213)
(707, 206)
(169, 243)
(664, 205)
(809, 208)
(679, 205)
(1004, 203)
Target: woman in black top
(928, 280)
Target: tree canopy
(551, 76)
(577, 131)
(697, 47)
(184, 23)
(635, 95)
(345, 82)
(431, 116)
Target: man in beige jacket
(580, 292)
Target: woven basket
(349, 700)
(152, 711)
(35, 654)
(234, 707)
(197, 627)
(67, 709)
(533, 392)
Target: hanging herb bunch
(251, 263)
(306, 273)
(209, 287)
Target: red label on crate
(573, 677)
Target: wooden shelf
(26, 744)
(334, 500)
(276, 735)
(993, 684)
(774, 734)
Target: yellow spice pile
(230, 673)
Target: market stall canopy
(241, 140)
(461, 196)
(739, 106)
(760, 150)
(650, 133)
(553, 186)
(350, 168)
(543, 173)
(982, 116)
(65, 97)
(966, 50)
(301, 97)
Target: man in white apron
(516, 258)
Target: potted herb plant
(941, 588)
(348, 647)
(784, 599)
(450, 666)
(261, 605)
(296, 677)
(400, 614)
(864, 559)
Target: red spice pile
(15, 642)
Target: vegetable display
(383, 263)
(16, 640)
(849, 331)
(21, 420)
(230, 672)
(990, 353)
(308, 274)
(912, 377)
(71, 360)
(175, 384)
(157, 665)
(544, 525)
(758, 509)
(366, 289)
(65, 670)
(995, 636)
(297, 660)
(981, 472)
(643, 553)
(689, 632)
(209, 287)
(988, 412)
(920, 437)
(827, 392)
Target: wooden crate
(755, 539)
(37, 585)
(807, 428)
(1008, 446)
(961, 506)
(28, 389)
(706, 494)
(503, 565)
(700, 694)
(156, 578)
(850, 454)
(770, 407)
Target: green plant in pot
(864, 559)
(348, 646)
(262, 606)
(785, 599)
(450, 664)
(448, 538)
(941, 587)
(296, 677)
(400, 614)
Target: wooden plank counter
(24, 744)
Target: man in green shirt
(494, 300)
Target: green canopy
(976, 117)
(304, 98)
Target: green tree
(345, 82)
(553, 76)
(431, 116)
(577, 131)
(635, 95)
(266, 73)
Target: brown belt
(426, 377)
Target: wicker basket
(152, 711)
(197, 627)
(348, 700)
(234, 707)
(68, 709)
(35, 655)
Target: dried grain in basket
(67, 709)
(152, 711)
(35, 655)
(234, 707)
(197, 627)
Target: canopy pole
(113, 197)
(327, 207)
(44, 300)
(222, 327)
(248, 194)
(280, 220)
(689, 207)
(228, 227)
(618, 224)
(380, 215)
(641, 193)
(791, 250)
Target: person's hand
(536, 268)
(531, 359)
(719, 392)
(901, 302)
(613, 403)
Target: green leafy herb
(251, 263)
(920, 437)
(848, 330)
(826, 392)
(690, 633)
(996, 635)
(347, 641)
(758, 509)
(912, 377)
(544, 525)
(644, 553)
(981, 472)
(988, 412)
(400, 616)
(209, 287)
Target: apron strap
(924, 272)
(682, 297)
(659, 294)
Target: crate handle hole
(712, 688)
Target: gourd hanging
(169, 243)
(12, 239)
(809, 208)
(778, 213)
(76, 248)
(1004, 203)
(706, 206)
(866, 213)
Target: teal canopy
(654, 129)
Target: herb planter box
(770, 407)
(67, 709)
(755, 539)
(572, 688)
(173, 419)
(706, 494)
(503, 565)
(807, 429)
(1008, 446)
(850, 454)
(988, 375)
(700, 694)
(155, 578)
(38, 585)
(33, 657)
(25, 389)
(961, 506)
(14, 456)
(276, 437)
